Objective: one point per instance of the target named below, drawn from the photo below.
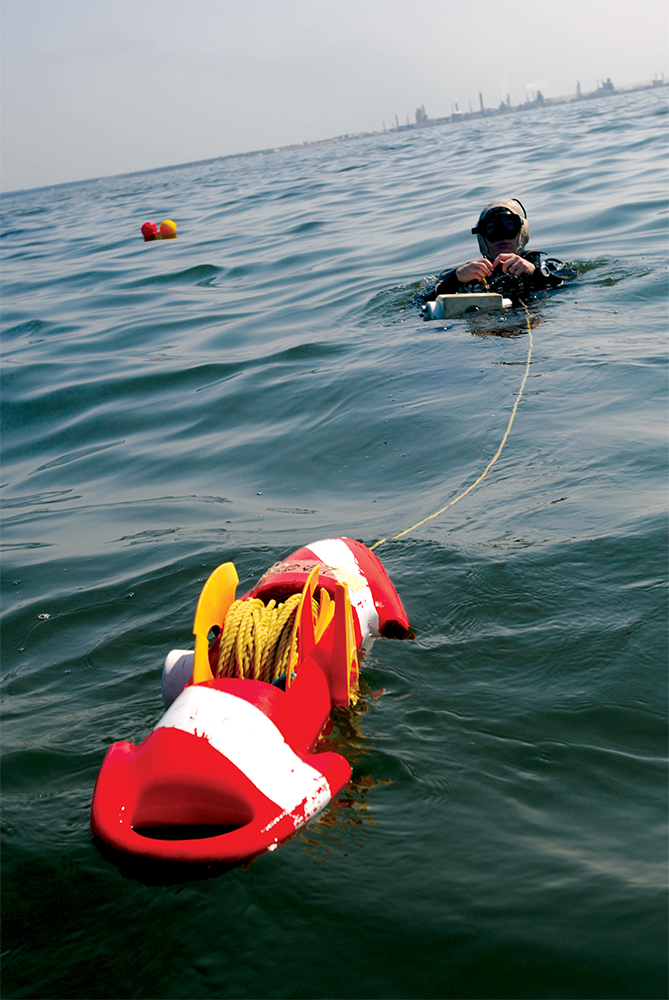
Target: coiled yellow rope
(257, 638)
(495, 456)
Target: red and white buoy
(230, 769)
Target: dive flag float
(230, 770)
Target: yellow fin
(217, 595)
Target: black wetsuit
(548, 273)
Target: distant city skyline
(426, 122)
(534, 99)
(112, 87)
(423, 120)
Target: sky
(93, 88)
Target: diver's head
(502, 228)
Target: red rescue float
(230, 770)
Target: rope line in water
(257, 638)
(492, 460)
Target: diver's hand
(474, 270)
(511, 263)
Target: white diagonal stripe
(251, 741)
(336, 553)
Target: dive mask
(497, 226)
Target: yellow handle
(217, 595)
(304, 624)
(352, 665)
(325, 614)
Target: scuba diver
(503, 233)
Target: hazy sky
(98, 87)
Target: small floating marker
(168, 230)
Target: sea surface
(265, 381)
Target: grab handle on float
(217, 595)
(325, 614)
(301, 647)
(344, 666)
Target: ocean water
(264, 381)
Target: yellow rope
(256, 638)
(495, 456)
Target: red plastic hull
(230, 770)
